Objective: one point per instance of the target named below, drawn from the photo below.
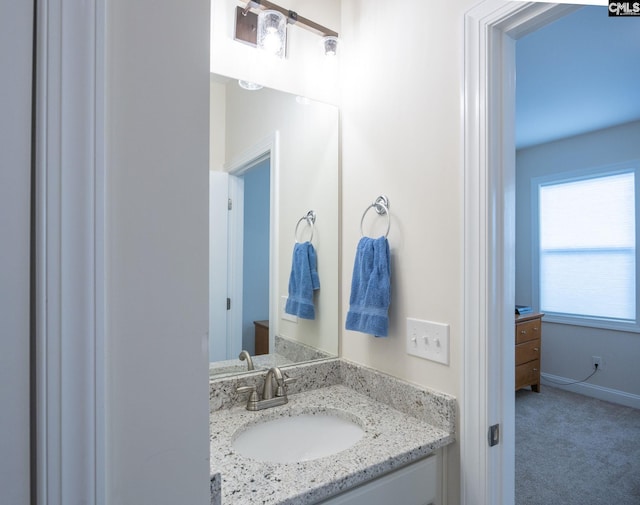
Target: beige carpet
(575, 450)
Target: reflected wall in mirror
(273, 158)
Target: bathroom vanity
(405, 430)
(415, 483)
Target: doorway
(253, 300)
(239, 262)
(491, 28)
(243, 219)
(568, 126)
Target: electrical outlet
(428, 340)
(596, 360)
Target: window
(587, 255)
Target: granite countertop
(391, 440)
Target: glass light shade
(272, 32)
(330, 44)
(250, 86)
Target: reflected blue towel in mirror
(303, 281)
(370, 288)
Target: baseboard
(599, 392)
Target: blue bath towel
(370, 288)
(303, 281)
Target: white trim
(218, 265)
(594, 391)
(487, 474)
(235, 272)
(252, 155)
(268, 147)
(70, 419)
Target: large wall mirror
(273, 159)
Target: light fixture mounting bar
(292, 17)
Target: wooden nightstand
(262, 337)
(528, 341)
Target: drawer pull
(536, 349)
(535, 369)
(535, 329)
(523, 332)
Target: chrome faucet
(245, 355)
(276, 381)
(274, 374)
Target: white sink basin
(297, 438)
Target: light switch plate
(283, 314)
(428, 340)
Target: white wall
(305, 71)
(402, 136)
(157, 107)
(567, 349)
(308, 180)
(217, 121)
(16, 35)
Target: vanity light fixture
(272, 32)
(259, 29)
(330, 45)
(249, 86)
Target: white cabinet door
(416, 484)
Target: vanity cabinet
(415, 484)
(528, 346)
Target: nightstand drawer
(527, 351)
(528, 330)
(529, 373)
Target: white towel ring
(382, 208)
(310, 218)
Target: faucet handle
(281, 390)
(253, 397)
(288, 380)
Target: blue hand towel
(303, 281)
(370, 288)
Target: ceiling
(578, 74)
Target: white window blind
(587, 247)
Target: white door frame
(267, 147)
(235, 263)
(491, 28)
(218, 260)
(70, 231)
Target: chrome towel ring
(381, 205)
(310, 218)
